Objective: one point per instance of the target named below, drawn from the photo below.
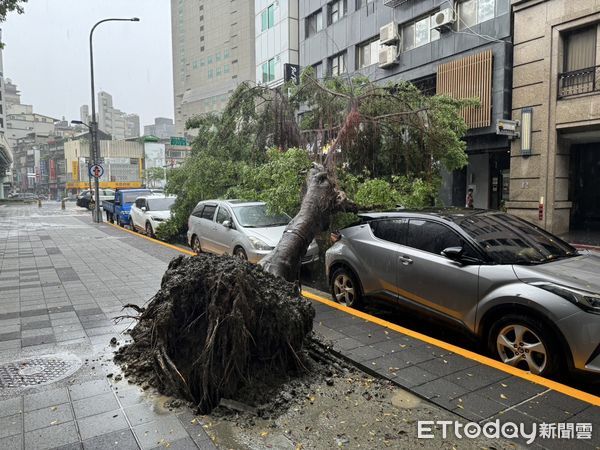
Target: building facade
(277, 40)
(469, 56)
(112, 120)
(5, 150)
(162, 128)
(213, 52)
(556, 96)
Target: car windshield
(130, 197)
(510, 240)
(160, 204)
(256, 216)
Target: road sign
(96, 170)
(291, 72)
(180, 141)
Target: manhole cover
(37, 371)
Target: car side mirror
(453, 253)
(228, 224)
(143, 208)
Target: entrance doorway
(499, 178)
(584, 188)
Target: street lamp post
(94, 124)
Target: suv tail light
(335, 236)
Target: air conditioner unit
(388, 34)
(444, 19)
(388, 57)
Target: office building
(213, 52)
(162, 128)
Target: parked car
(243, 229)
(150, 212)
(85, 199)
(118, 208)
(533, 298)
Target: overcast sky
(47, 56)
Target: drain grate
(37, 371)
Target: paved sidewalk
(62, 280)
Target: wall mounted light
(526, 118)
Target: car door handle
(405, 260)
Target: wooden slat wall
(469, 77)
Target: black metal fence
(580, 81)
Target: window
(337, 64)
(209, 212)
(198, 211)
(337, 10)
(210, 73)
(318, 70)
(472, 12)
(314, 23)
(392, 230)
(419, 33)
(268, 71)
(267, 18)
(579, 71)
(209, 60)
(431, 237)
(226, 53)
(223, 215)
(367, 54)
(218, 56)
(226, 68)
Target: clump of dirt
(219, 327)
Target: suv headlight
(588, 301)
(258, 244)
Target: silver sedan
(243, 229)
(531, 297)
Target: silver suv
(529, 295)
(239, 228)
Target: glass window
(226, 68)
(209, 60)
(467, 14)
(223, 215)
(368, 54)
(265, 72)
(408, 37)
(318, 70)
(422, 32)
(419, 33)
(160, 204)
(210, 73)
(338, 64)
(431, 237)
(264, 20)
(271, 16)
(314, 23)
(485, 10)
(256, 216)
(392, 230)
(218, 56)
(337, 10)
(209, 212)
(226, 53)
(271, 69)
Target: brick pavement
(62, 280)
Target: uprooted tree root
(215, 325)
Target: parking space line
(550, 384)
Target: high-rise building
(84, 114)
(163, 128)
(213, 51)
(276, 28)
(112, 120)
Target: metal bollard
(39, 203)
(62, 204)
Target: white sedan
(149, 212)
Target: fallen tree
(219, 324)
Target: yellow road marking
(559, 387)
(550, 384)
(143, 236)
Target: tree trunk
(321, 200)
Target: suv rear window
(392, 230)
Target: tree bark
(321, 200)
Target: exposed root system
(216, 326)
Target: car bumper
(582, 333)
(311, 255)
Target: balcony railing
(580, 81)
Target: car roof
(154, 196)
(447, 213)
(234, 202)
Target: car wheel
(240, 253)
(523, 342)
(196, 245)
(149, 231)
(345, 288)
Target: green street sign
(179, 141)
